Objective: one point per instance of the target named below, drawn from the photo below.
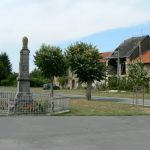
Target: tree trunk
(133, 95)
(143, 96)
(89, 88)
(136, 98)
(52, 91)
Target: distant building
(104, 59)
(73, 81)
(130, 50)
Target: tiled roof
(145, 58)
(104, 56)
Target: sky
(104, 23)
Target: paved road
(75, 133)
(112, 99)
(123, 100)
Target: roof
(145, 58)
(104, 56)
(127, 47)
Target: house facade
(129, 50)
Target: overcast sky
(56, 22)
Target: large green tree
(138, 76)
(84, 60)
(51, 61)
(5, 66)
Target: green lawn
(81, 92)
(97, 108)
(103, 93)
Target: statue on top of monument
(25, 42)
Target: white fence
(11, 104)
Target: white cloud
(54, 21)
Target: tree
(37, 79)
(11, 80)
(3, 73)
(36, 73)
(5, 66)
(51, 61)
(138, 77)
(84, 60)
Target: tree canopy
(51, 61)
(5, 66)
(138, 76)
(84, 60)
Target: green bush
(5, 83)
(112, 83)
(10, 81)
(121, 84)
(37, 82)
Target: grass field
(97, 108)
(82, 92)
(94, 93)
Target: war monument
(23, 87)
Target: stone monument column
(23, 88)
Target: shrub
(121, 84)
(5, 83)
(37, 82)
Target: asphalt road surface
(74, 133)
(111, 99)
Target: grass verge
(80, 92)
(99, 108)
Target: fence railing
(12, 103)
